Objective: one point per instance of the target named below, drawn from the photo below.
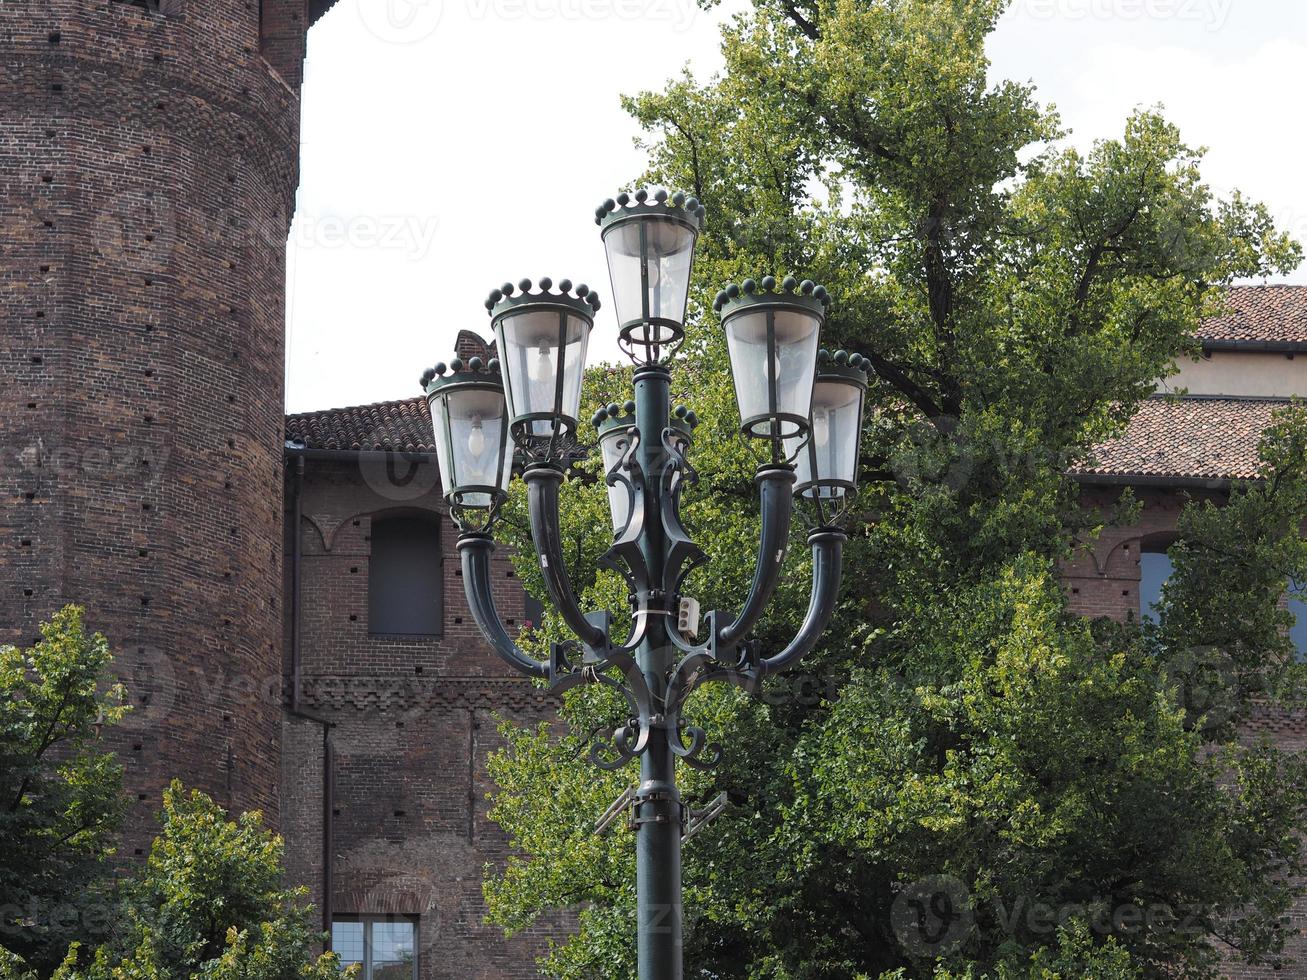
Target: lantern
(650, 249)
(828, 461)
(469, 418)
(542, 339)
(772, 341)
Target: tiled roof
(1196, 438)
(398, 426)
(403, 426)
(1260, 315)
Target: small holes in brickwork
(144, 552)
(353, 618)
(136, 746)
(57, 87)
(458, 620)
(30, 495)
(354, 570)
(399, 724)
(40, 314)
(141, 796)
(145, 507)
(149, 372)
(45, 269)
(510, 574)
(399, 813)
(231, 443)
(37, 359)
(1125, 592)
(47, 178)
(27, 542)
(226, 575)
(1075, 591)
(145, 600)
(55, 37)
(149, 281)
(335, 813)
(28, 593)
(48, 224)
(418, 671)
(139, 852)
(356, 523)
(31, 404)
(145, 150)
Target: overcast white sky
(452, 144)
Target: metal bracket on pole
(615, 810)
(701, 818)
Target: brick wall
(412, 721)
(1105, 582)
(148, 162)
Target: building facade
(282, 593)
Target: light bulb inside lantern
(821, 428)
(542, 368)
(476, 438)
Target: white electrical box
(687, 618)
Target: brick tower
(148, 164)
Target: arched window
(1155, 567)
(404, 577)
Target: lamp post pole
(804, 404)
(657, 812)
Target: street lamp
(803, 411)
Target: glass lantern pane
(529, 345)
(666, 255)
(444, 450)
(832, 450)
(613, 444)
(788, 363)
(477, 427)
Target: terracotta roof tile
(1187, 438)
(1261, 314)
(402, 426)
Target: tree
(210, 904)
(962, 749)
(60, 792)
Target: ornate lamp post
(805, 404)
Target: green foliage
(60, 793)
(1073, 790)
(209, 904)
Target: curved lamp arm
(475, 550)
(827, 566)
(542, 483)
(776, 499)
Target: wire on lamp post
(805, 403)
